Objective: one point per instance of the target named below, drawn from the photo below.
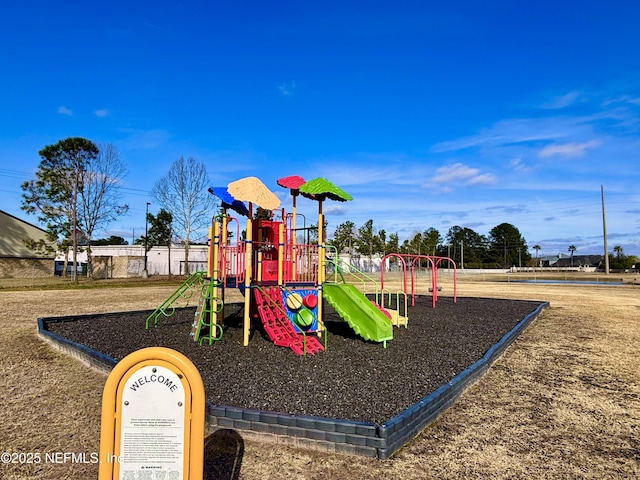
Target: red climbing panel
(277, 324)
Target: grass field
(563, 402)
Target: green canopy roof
(321, 189)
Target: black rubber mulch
(353, 379)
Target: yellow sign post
(153, 408)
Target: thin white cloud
(155, 27)
(446, 189)
(484, 179)
(508, 133)
(623, 99)
(287, 89)
(568, 149)
(468, 142)
(518, 165)
(454, 173)
(137, 139)
(62, 110)
(520, 137)
(460, 173)
(102, 113)
(562, 101)
(337, 210)
(384, 168)
(507, 209)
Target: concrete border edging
(406, 425)
(319, 433)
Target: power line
(10, 191)
(7, 173)
(14, 174)
(135, 190)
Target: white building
(126, 261)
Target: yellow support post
(320, 267)
(281, 253)
(247, 282)
(211, 254)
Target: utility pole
(604, 233)
(145, 272)
(504, 246)
(74, 222)
(462, 254)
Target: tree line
(75, 194)
(503, 247)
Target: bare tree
(99, 195)
(183, 193)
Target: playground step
(313, 346)
(383, 310)
(279, 332)
(397, 320)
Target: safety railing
(340, 268)
(183, 293)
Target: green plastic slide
(357, 310)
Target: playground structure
(285, 282)
(434, 264)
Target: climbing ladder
(205, 326)
(278, 326)
(184, 292)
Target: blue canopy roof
(228, 201)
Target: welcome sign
(152, 418)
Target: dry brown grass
(563, 402)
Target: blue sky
(428, 114)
